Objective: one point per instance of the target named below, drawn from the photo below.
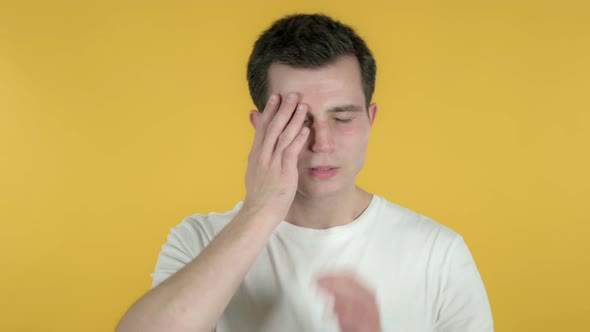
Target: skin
(339, 124)
(279, 187)
(355, 306)
(336, 201)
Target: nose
(321, 138)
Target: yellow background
(118, 119)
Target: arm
(206, 285)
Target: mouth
(323, 168)
(322, 172)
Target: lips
(322, 172)
(323, 167)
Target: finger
(352, 313)
(334, 282)
(340, 278)
(353, 302)
(343, 312)
(348, 313)
(292, 129)
(264, 118)
(278, 123)
(261, 124)
(271, 107)
(343, 286)
(291, 153)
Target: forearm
(195, 297)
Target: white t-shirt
(422, 273)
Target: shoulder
(441, 256)
(413, 226)
(199, 229)
(187, 239)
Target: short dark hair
(306, 41)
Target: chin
(320, 190)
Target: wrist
(260, 214)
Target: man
(308, 250)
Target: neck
(326, 212)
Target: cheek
(352, 146)
(349, 130)
(353, 135)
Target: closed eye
(343, 120)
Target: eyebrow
(345, 108)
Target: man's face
(338, 120)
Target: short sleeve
(464, 302)
(184, 243)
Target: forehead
(333, 84)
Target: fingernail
(272, 99)
(291, 97)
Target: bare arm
(194, 298)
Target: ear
(254, 118)
(372, 113)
